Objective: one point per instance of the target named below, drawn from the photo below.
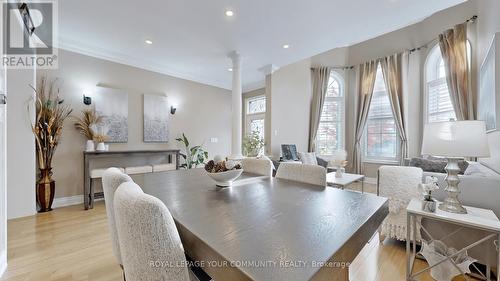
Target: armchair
(399, 185)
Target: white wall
(403, 39)
(203, 112)
(291, 102)
(487, 26)
(21, 172)
(3, 176)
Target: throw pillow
(436, 165)
(477, 169)
(308, 158)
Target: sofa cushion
(308, 158)
(436, 165)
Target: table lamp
(455, 140)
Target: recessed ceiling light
(229, 13)
(149, 42)
(286, 46)
(230, 69)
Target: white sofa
(479, 190)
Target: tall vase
(45, 191)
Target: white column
(236, 107)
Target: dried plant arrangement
(50, 114)
(83, 124)
(99, 132)
(49, 120)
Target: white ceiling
(191, 38)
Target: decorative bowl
(225, 179)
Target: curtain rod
(337, 67)
(470, 20)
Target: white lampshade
(456, 139)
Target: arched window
(330, 136)
(437, 102)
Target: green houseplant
(193, 156)
(253, 144)
(50, 113)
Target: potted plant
(193, 156)
(253, 144)
(83, 125)
(47, 128)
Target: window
(255, 115)
(381, 142)
(438, 105)
(437, 102)
(330, 136)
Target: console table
(89, 156)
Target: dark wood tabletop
(289, 227)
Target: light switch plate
(214, 140)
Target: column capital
(234, 56)
(268, 69)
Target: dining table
(265, 228)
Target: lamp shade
(456, 139)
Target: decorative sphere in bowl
(225, 179)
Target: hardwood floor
(72, 244)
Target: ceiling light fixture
(149, 42)
(286, 46)
(230, 69)
(229, 13)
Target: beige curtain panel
(453, 44)
(320, 77)
(366, 73)
(392, 68)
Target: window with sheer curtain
(381, 138)
(330, 136)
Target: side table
(475, 218)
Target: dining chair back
(111, 180)
(305, 173)
(150, 244)
(263, 167)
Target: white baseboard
(69, 201)
(3, 262)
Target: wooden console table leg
(86, 183)
(91, 195)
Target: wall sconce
(87, 100)
(172, 110)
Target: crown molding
(100, 53)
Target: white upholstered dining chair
(263, 167)
(311, 174)
(148, 237)
(111, 180)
